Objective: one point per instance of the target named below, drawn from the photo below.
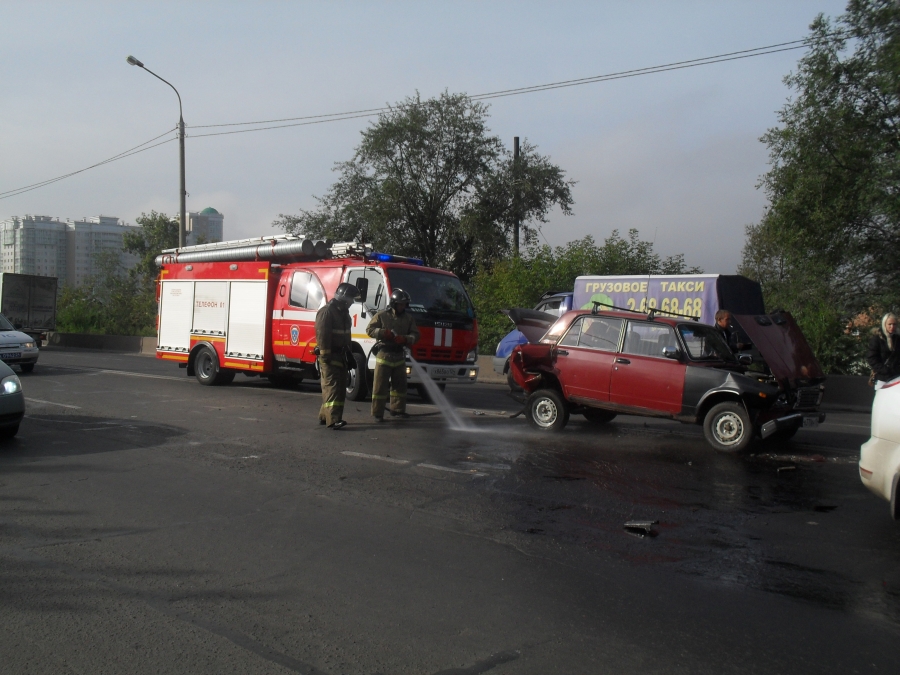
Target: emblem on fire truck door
(295, 335)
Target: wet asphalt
(148, 524)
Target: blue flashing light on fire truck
(249, 306)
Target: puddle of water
(454, 421)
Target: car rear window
(705, 344)
(648, 339)
(594, 332)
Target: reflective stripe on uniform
(391, 364)
(376, 396)
(333, 404)
(397, 394)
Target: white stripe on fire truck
(448, 338)
(437, 336)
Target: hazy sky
(675, 154)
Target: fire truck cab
(250, 306)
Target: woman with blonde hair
(884, 350)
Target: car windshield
(438, 296)
(4, 324)
(705, 344)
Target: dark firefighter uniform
(393, 329)
(333, 340)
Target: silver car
(12, 402)
(17, 347)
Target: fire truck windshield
(437, 296)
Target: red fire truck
(250, 306)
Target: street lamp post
(183, 222)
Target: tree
(429, 181)
(828, 244)
(520, 281)
(157, 232)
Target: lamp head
(134, 62)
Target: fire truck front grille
(808, 397)
(438, 354)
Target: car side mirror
(671, 352)
(745, 359)
(362, 284)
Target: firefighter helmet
(346, 294)
(399, 297)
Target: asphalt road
(152, 525)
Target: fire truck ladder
(281, 248)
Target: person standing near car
(727, 331)
(883, 355)
(394, 328)
(332, 342)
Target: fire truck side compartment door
(210, 307)
(176, 314)
(247, 319)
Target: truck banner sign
(684, 294)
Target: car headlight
(29, 345)
(10, 385)
(472, 356)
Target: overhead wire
(369, 112)
(126, 153)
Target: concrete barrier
(114, 343)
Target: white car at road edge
(16, 347)
(879, 457)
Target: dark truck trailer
(28, 301)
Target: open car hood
(783, 347)
(531, 323)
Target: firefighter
(394, 328)
(333, 343)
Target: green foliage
(429, 181)
(115, 301)
(520, 281)
(827, 246)
(111, 302)
(158, 232)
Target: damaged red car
(603, 363)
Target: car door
(641, 376)
(585, 357)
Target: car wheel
(356, 379)
(598, 415)
(26, 367)
(547, 410)
(9, 432)
(727, 427)
(207, 371)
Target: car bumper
(879, 462)
(807, 419)
(448, 374)
(12, 409)
(19, 356)
(500, 364)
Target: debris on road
(785, 468)
(641, 526)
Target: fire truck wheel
(207, 371)
(357, 386)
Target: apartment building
(68, 250)
(203, 227)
